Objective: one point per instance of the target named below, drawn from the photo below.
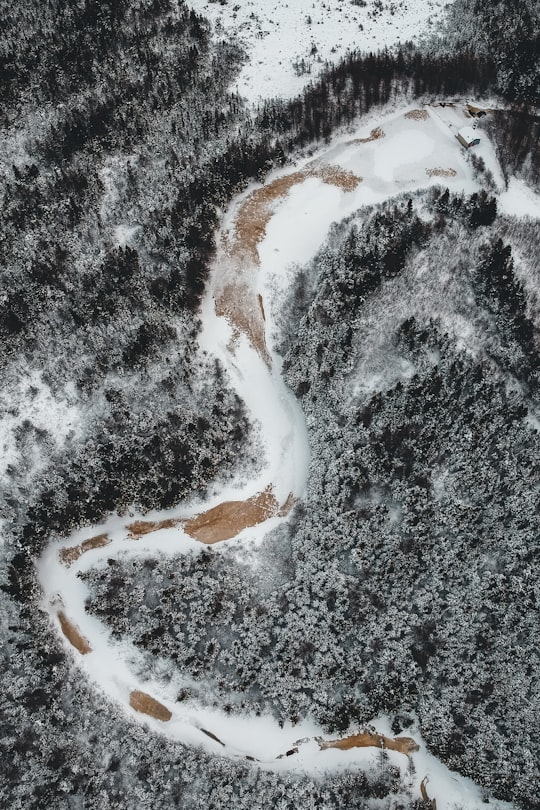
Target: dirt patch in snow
(223, 521)
(474, 112)
(145, 704)
(231, 517)
(72, 554)
(367, 739)
(424, 794)
(73, 634)
(237, 301)
(374, 135)
(256, 212)
(287, 506)
(245, 313)
(438, 172)
(142, 527)
(261, 306)
(417, 115)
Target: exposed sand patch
(245, 313)
(231, 517)
(367, 739)
(417, 115)
(475, 111)
(142, 527)
(145, 704)
(287, 506)
(438, 172)
(71, 554)
(334, 176)
(256, 212)
(374, 135)
(237, 301)
(73, 634)
(261, 306)
(424, 794)
(223, 521)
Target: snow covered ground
(519, 200)
(288, 42)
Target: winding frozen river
(265, 230)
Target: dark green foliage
(506, 299)
(516, 133)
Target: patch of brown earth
(424, 794)
(145, 704)
(245, 313)
(417, 115)
(374, 135)
(229, 518)
(438, 172)
(367, 739)
(236, 301)
(261, 306)
(223, 521)
(71, 554)
(256, 212)
(141, 527)
(333, 176)
(73, 634)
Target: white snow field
(287, 42)
(520, 200)
(412, 149)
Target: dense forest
(412, 559)
(121, 145)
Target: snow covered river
(265, 231)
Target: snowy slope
(287, 43)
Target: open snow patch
(519, 200)
(393, 155)
(287, 44)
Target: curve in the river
(236, 323)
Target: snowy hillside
(287, 43)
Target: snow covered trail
(290, 216)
